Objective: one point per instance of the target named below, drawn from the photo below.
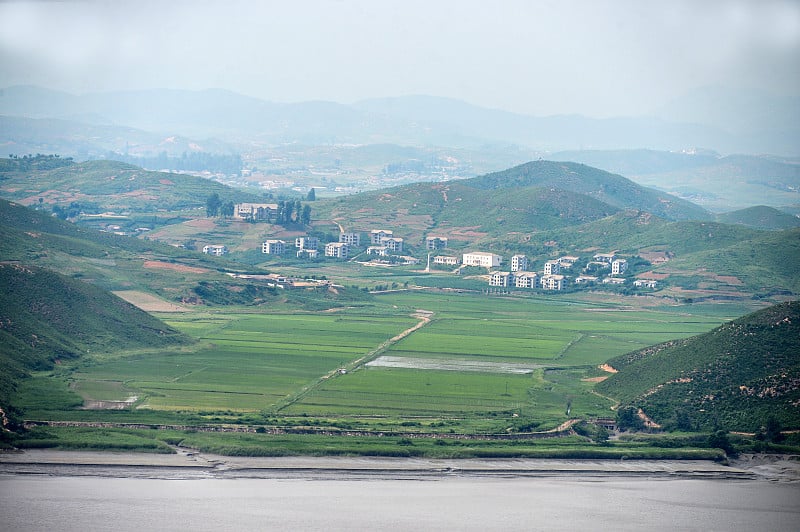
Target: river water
(394, 502)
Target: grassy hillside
(46, 317)
(598, 184)
(760, 217)
(112, 186)
(533, 197)
(734, 377)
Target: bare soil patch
(149, 302)
(155, 264)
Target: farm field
(475, 364)
(558, 344)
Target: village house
(619, 266)
(306, 242)
(504, 279)
(445, 260)
(351, 239)
(254, 211)
(613, 280)
(482, 259)
(519, 263)
(526, 280)
(435, 242)
(273, 247)
(585, 279)
(215, 249)
(376, 235)
(337, 250)
(645, 283)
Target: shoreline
(187, 464)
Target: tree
(312, 195)
(305, 219)
(213, 204)
(227, 209)
(628, 418)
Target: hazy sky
(594, 57)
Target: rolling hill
(734, 377)
(113, 186)
(717, 183)
(46, 317)
(760, 217)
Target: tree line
(288, 211)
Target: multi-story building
(306, 242)
(619, 266)
(445, 260)
(273, 247)
(214, 249)
(337, 250)
(501, 279)
(435, 242)
(351, 239)
(526, 280)
(606, 258)
(254, 211)
(381, 251)
(482, 259)
(376, 235)
(552, 282)
(393, 244)
(307, 253)
(519, 263)
(552, 267)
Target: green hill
(609, 188)
(760, 217)
(733, 377)
(46, 317)
(535, 196)
(105, 186)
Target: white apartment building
(214, 249)
(519, 263)
(552, 267)
(273, 247)
(446, 260)
(552, 282)
(395, 245)
(526, 280)
(435, 242)
(501, 279)
(351, 239)
(619, 266)
(306, 242)
(376, 235)
(482, 259)
(254, 211)
(337, 250)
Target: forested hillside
(734, 377)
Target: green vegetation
(760, 217)
(734, 377)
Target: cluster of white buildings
(551, 277)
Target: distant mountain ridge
(406, 120)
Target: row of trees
(288, 212)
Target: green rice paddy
(275, 365)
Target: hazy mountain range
(715, 118)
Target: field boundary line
(424, 317)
